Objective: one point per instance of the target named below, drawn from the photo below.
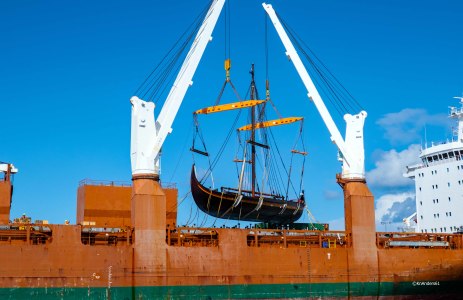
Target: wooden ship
(241, 203)
(228, 204)
(128, 245)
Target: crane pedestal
(149, 222)
(5, 201)
(359, 212)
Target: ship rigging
(153, 258)
(268, 202)
(263, 196)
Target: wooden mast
(253, 132)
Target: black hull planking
(220, 204)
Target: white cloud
(332, 195)
(337, 224)
(406, 126)
(390, 166)
(391, 209)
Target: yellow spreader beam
(228, 106)
(277, 122)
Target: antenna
(457, 113)
(425, 138)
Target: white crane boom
(148, 135)
(407, 221)
(351, 149)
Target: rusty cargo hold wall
(108, 203)
(5, 201)
(6, 191)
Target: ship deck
(38, 234)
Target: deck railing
(387, 240)
(95, 236)
(31, 234)
(39, 234)
(298, 238)
(192, 237)
(87, 181)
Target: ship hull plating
(232, 268)
(154, 261)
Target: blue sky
(68, 71)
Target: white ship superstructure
(439, 182)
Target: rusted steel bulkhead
(359, 213)
(149, 223)
(5, 201)
(6, 192)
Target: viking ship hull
(227, 204)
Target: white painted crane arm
(353, 161)
(313, 94)
(147, 139)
